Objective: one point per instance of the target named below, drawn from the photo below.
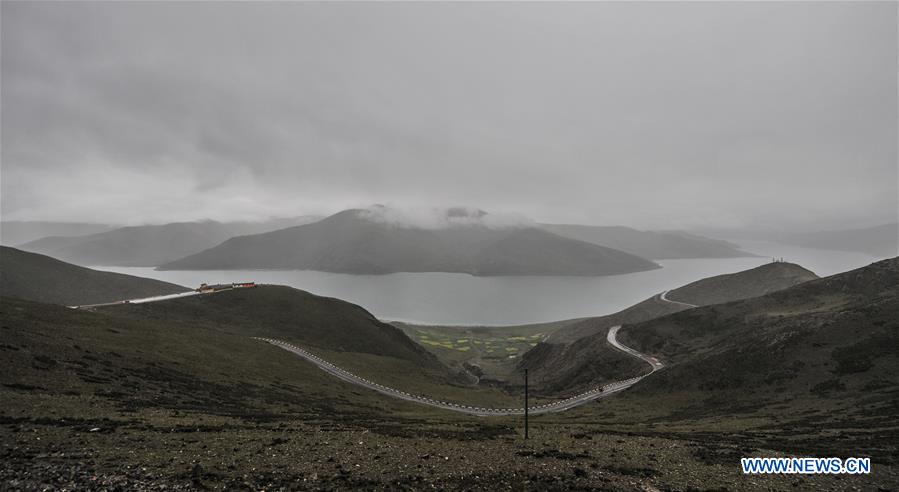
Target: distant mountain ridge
(656, 245)
(880, 241)
(150, 245)
(155, 245)
(36, 277)
(351, 242)
(17, 232)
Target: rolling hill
(822, 352)
(341, 332)
(351, 242)
(656, 245)
(98, 364)
(108, 388)
(40, 278)
(149, 245)
(577, 354)
(755, 282)
(285, 313)
(809, 312)
(177, 394)
(93, 400)
(338, 330)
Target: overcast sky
(643, 114)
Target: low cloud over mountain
(381, 240)
(443, 217)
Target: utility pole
(525, 403)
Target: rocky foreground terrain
(179, 395)
(164, 451)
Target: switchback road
(559, 406)
(664, 296)
(587, 396)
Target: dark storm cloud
(647, 114)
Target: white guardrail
(558, 406)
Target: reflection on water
(449, 298)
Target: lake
(459, 299)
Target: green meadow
(492, 351)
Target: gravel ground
(179, 453)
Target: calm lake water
(458, 299)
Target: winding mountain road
(664, 296)
(580, 399)
(558, 406)
(140, 301)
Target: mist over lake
(460, 299)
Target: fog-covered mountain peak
(442, 217)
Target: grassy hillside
(656, 245)
(93, 400)
(340, 332)
(40, 278)
(175, 359)
(818, 358)
(648, 309)
(840, 325)
(755, 282)
(578, 354)
(350, 242)
(286, 313)
(78, 360)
